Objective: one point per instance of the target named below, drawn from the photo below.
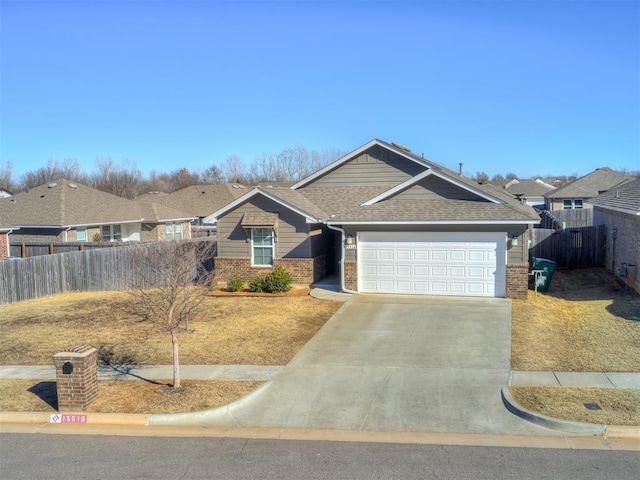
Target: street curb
(131, 419)
(566, 426)
(621, 431)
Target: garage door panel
(433, 263)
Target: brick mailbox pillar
(76, 378)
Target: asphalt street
(51, 457)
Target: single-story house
(619, 210)
(529, 191)
(197, 201)
(575, 194)
(66, 211)
(388, 221)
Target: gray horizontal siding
(434, 187)
(292, 237)
(376, 166)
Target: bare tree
(213, 174)
(234, 169)
(124, 180)
(171, 280)
(481, 177)
(67, 168)
(6, 174)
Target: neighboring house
(388, 221)
(68, 211)
(575, 194)
(619, 210)
(196, 200)
(530, 192)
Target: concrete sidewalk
(265, 373)
(152, 372)
(575, 379)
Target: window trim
(567, 204)
(272, 247)
(83, 230)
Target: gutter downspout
(66, 237)
(342, 243)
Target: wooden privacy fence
(32, 249)
(573, 248)
(575, 218)
(104, 269)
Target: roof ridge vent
(52, 185)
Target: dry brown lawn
(617, 406)
(127, 396)
(231, 330)
(586, 322)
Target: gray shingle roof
(65, 203)
(591, 184)
(197, 200)
(625, 197)
(527, 188)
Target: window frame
(575, 204)
(84, 231)
(567, 204)
(263, 247)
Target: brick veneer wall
(518, 280)
(303, 271)
(77, 390)
(351, 274)
(4, 245)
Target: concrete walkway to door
(395, 363)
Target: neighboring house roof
(197, 200)
(63, 203)
(624, 198)
(4, 193)
(591, 184)
(396, 203)
(527, 188)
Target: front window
(173, 231)
(111, 233)
(262, 247)
(81, 235)
(577, 204)
(566, 204)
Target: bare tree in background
(171, 280)
(124, 180)
(6, 174)
(234, 169)
(481, 177)
(67, 168)
(213, 174)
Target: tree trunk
(176, 360)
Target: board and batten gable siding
(375, 166)
(434, 187)
(515, 253)
(292, 239)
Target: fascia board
(420, 176)
(616, 209)
(353, 154)
(398, 188)
(259, 191)
(438, 222)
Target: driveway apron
(395, 363)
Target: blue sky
(531, 87)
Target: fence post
(51, 249)
(23, 250)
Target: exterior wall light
(514, 241)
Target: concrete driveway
(399, 363)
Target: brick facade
(518, 280)
(304, 271)
(4, 245)
(78, 388)
(351, 274)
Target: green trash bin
(543, 273)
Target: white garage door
(432, 263)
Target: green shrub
(235, 283)
(256, 284)
(277, 281)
